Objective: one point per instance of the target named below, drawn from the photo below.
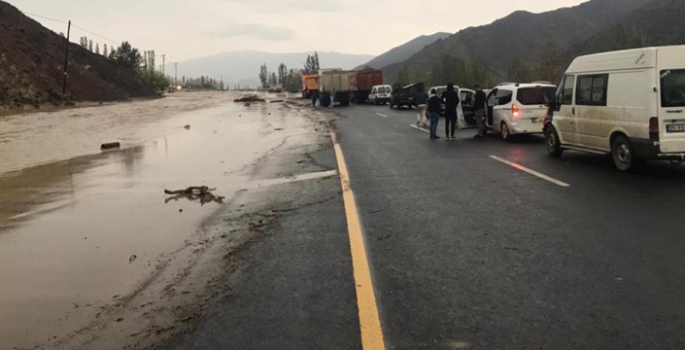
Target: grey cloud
(279, 6)
(255, 30)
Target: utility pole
(66, 63)
(176, 74)
(164, 65)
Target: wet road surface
(473, 244)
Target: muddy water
(78, 233)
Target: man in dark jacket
(434, 109)
(479, 106)
(451, 100)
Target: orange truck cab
(310, 85)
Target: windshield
(673, 88)
(536, 95)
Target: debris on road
(275, 101)
(187, 127)
(132, 258)
(193, 193)
(249, 98)
(110, 145)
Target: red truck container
(362, 81)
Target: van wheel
(622, 152)
(552, 142)
(504, 129)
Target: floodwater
(78, 232)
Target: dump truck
(334, 87)
(310, 85)
(361, 83)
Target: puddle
(69, 230)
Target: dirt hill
(32, 62)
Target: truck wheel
(552, 142)
(623, 154)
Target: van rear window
(536, 96)
(673, 88)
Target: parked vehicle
(362, 82)
(514, 109)
(310, 85)
(334, 87)
(380, 94)
(404, 96)
(630, 104)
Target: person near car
(421, 107)
(451, 100)
(434, 109)
(479, 107)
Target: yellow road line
(369, 320)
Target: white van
(628, 103)
(380, 94)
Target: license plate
(675, 128)
(538, 120)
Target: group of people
(432, 104)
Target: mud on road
(97, 259)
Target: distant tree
(282, 74)
(403, 75)
(104, 51)
(156, 79)
(90, 45)
(84, 42)
(311, 65)
(127, 56)
(97, 49)
(628, 38)
(273, 80)
(62, 34)
(221, 86)
(518, 72)
(264, 76)
(549, 58)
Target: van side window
(492, 99)
(592, 90)
(567, 93)
(504, 96)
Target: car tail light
(516, 111)
(654, 129)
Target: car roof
(519, 86)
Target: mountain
(243, 67)
(404, 51)
(32, 61)
(658, 23)
(519, 36)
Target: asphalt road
(467, 251)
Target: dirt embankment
(32, 63)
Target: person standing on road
(434, 108)
(479, 107)
(315, 96)
(421, 107)
(451, 100)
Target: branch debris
(202, 193)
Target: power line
(79, 27)
(48, 18)
(97, 35)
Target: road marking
(419, 128)
(532, 172)
(296, 178)
(369, 320)
(381, 115)
(359, 108)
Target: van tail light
(654, 129)
(516, 111)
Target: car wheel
(552, 142)
(504, 129)
(623, 154)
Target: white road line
(418, 128)
(532, 172)
(359, 108)
(381, 115)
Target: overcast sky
(184, 29)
